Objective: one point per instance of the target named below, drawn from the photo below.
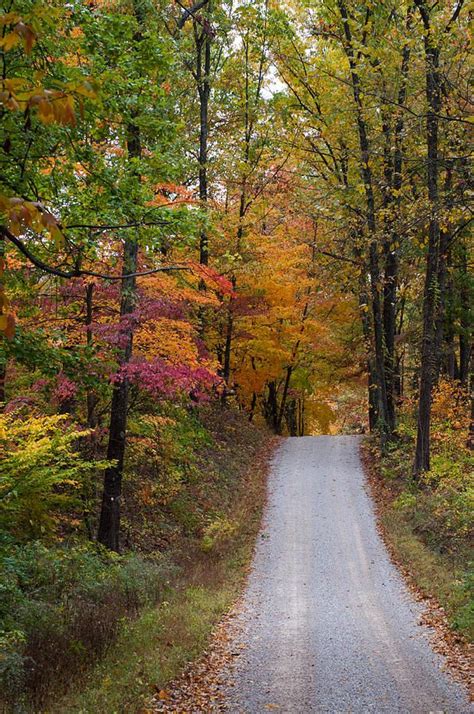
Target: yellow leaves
(7, 318)
(21, 214)
(21, 33)
(9, 18)
(10, 41)
(169, 339)
(52, 106)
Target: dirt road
(328, 625)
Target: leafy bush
(41, 472)
(60, 608)
(164, 447)
(218, 534)
(464, 618)
(440, 507)
(437, 511)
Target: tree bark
(393, 174)
(3, 374)
(109, 523)
(271, 407)
(428, 358)
(281, 411)
(91, 398)
(465, 346)
(383, 421)
(203, 42)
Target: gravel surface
(327, 624)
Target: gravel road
(327, 624)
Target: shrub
(218, 534)
(61, 608)
(41, 472)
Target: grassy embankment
(98, 633)
(429, 525)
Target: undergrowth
(429, 522)
(75, 619)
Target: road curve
(327, 624)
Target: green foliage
(41, 472)
(218, 534)
(405, 500)
(62, 607)
(463, 619)
(165, 447)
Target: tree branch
(189, 11)
(78, 272)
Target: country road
(327, 624)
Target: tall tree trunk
(271, 406)
(91, 398)
(203, 40)
(3, 374)
(443, 266)
(291, 417)
(374, 267)
(253, 404)
(372, 400)
(109, 523)
(465, 346)
(428, 359)
(393, 175)
(284, 398)
(3, 360)
(228, 347)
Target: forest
(223, 222)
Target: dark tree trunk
(203, 42)
(465, 346)
(226, 367)
(252, 407)
(91, 398)
(383, 421)
(109, 523)
(301, 423)
(228, 346)
(281, 412)
(367, 333)
(470, 438)
(441, 327)
(393, 176)
(271, 407)
(3, 374)
(291, 418)
(428, 358)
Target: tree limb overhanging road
(327, 624)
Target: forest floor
(327, 622)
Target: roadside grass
(434, 574)
(153, 649)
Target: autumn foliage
(256, 211)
